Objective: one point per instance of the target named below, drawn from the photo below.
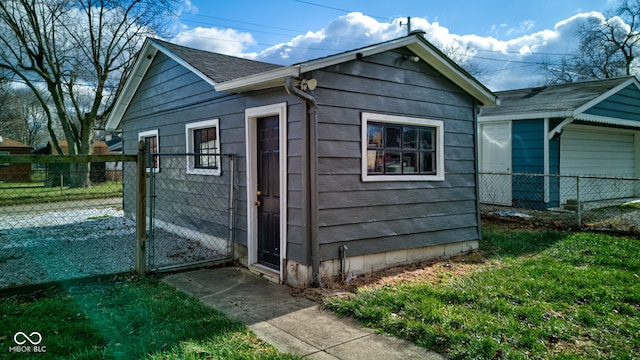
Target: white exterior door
(599, 151)
(495, 157)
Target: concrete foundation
(299, 275)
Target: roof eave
(608, 120)
(414, 43)
(525, 116)
(145, 57)
(263, 80)
(455, 75)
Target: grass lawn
(36, 192)
(125, 319)
(538, 295)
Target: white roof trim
(526, 116)
(121, 104)
(473, 87)
(147, 54)
(607, 120)
(418, 46)
(181, 61)
(277, 77)
(263, 80)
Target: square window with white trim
(203, 143)
(152, 145)
(400, 148)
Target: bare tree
(74, 55)
(607, 47)
(22, 117)
(463, 56)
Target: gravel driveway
(61, 245)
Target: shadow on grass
(501, 241)
(123, 318)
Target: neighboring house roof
(99, 148)
(236, 75)
(115, 144)
(575, 101)
(8, 143)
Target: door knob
(258, 193)
(258, 203)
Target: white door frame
(251, 139)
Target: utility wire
(339, 9)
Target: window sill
(372, 178)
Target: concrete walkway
(292, 324)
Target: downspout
(312, 110)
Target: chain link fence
(190, 209)
(62, 218)
(587, 202)
(67, 217)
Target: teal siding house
(586, 128)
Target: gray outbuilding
(372, 151)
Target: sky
(507, 38)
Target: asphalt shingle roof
(218, 67)
(554, 98)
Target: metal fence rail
(595, 202)
(61, 218)
(190, 210)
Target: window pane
(392, 163)
(409, 137)
(392, 136)
(427, 163)
(427, 139)
(375, 161)
(409, 163)
(151, 146)
(204, 142)
(375, 136)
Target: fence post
(141, 213)
(232, 209)
(579, 210)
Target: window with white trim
(152, 145)
(203, 141)
(400, 148)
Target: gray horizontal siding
(369, 217)
(169, 97)
(372, 217)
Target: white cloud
(223, 41)
(511, 63)
(347, 32)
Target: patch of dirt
(437, 271)
(434, 271)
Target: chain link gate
(191, 209)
